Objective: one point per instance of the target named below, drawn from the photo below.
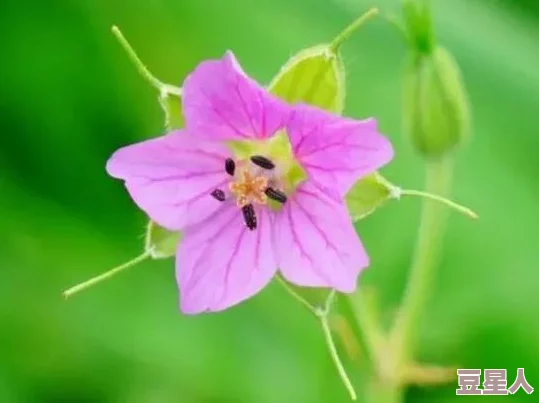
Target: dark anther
(276, 195)
(230, 166)
(249, 216)
(262, 162)
(219, 195)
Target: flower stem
(431, 229)
(322, 313)
(384, 392)
(143, 70)
(293, 293)
(350, 29)
(335, 356)
(105, 276)
(458, 207)
(369, 335)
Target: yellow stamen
(249, 189)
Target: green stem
(105, 276)
(323, 316)
(350, 29)
(294, 294)
(143, 70)
(366, 327)
(431, 229)
(458, 207)
(384, 392)
(322, 313)
(335, 356)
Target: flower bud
(435, 111)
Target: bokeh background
(69, 97)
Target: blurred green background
(69, 97)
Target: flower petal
(171, 177)
(336, 151)
(315, 242)
(221, 102)
(221, 262)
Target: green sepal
(314, 76)
(367, 195)
(161, 243)
(171, 104)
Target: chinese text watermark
(494, 383)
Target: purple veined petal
(220, 102)
(315, 242)
(335, 151)
(220, 262)
(171, 177)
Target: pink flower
(244, 217)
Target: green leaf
(314, 76)
(161, 243)
(172, 106)
(368, 194)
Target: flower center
(252, 184)
(264, 172)
(249, 189)
(275, 152)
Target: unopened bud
(436, 111)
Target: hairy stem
(335, 357)
(350, 29)
(141, 67)
(449, 203)
(294, 294)
(323, 316)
